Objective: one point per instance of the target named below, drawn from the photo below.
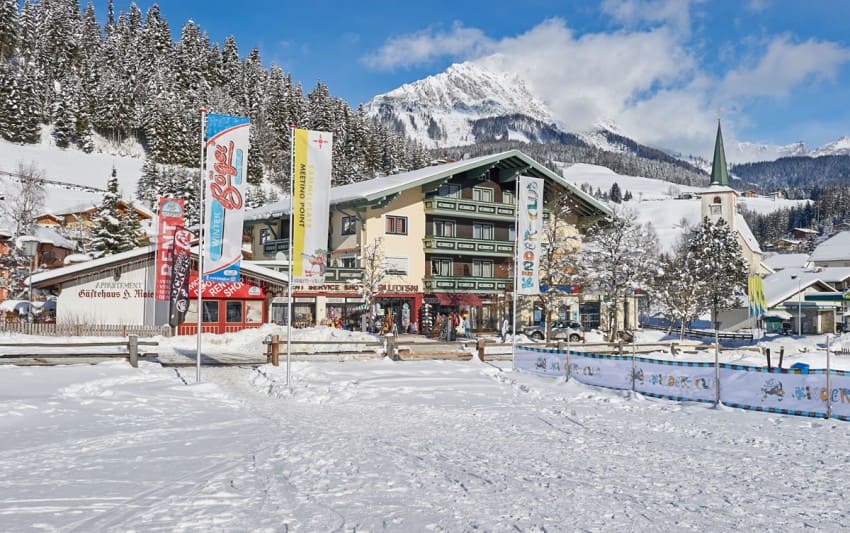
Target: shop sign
(236, 290)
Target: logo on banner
(226, 163)
(530, 211)
(170, 218)
(312, 160)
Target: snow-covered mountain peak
(838, 147)
(471, 89)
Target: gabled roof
(783, 261)
(78, 270)
(509, 164)
(747, 233)
(786, 283)
(835, 248)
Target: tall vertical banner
(758, 305)
(171, 211)
(181, 268)
(312, 164)
(226, 165)
(529, 234)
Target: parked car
(571, 331)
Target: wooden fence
(23, 356)
(700, 334)
(83, 330)
(273, 344)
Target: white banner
(226, 166)
(311, 183)
(612, 371)
(782, 391)
(839, 382)
(540, 361)
(675, 380)
(529, 233)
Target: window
(397, 225)
(482, 194)
(508, 197)
(444, 228)
(265, 235)
(254, 311)
(449, 190)
(481, 231)
(349, 225)
(347, 261)
(395, 265)
(441, 267)
(234, 312)
(482, 269)
(210, 311)
(511, 233)
(715, 209)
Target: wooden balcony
(466, 284)
(342, 274)
(458, 207)
(456, 245)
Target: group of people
(451, 325)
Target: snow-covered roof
(782, 285)
(833, 274)
(713, 189)
(782, 261)
(806, 230)
(72, 271)
(76, 258)
(746, 233)
(48, 236)
(377, 188)
(835, 248)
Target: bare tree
(619, 257)
(24, 198)
(374, 272)
(559, 268)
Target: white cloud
(424, 46)
(674, 13)
(784, 66)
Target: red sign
(171, 212)
(229, 290)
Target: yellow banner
(311, 181)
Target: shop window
(396, 225)
(444, 228)
(449, 190)
(234, 312)
(349, 225)
(482, 194)
(395, 265)
(254, 311)
(482, 269)
(441, 267)
(211, 311)
(481, 231)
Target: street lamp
(799, 306)
(30, 248)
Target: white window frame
(478, 231)
(482, 268)
(443, 262)
(478, 192)
(447, 224)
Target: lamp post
(799, 306)
(30, 249)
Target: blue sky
(659, 69)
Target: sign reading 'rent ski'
(226, 165)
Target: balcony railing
(343, 274)
(270, 248)
(468, 246)
(466, 284)
(468, 208)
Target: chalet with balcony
(446, 236)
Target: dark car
(561, 330)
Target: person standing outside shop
(506, 324)
(466, 328)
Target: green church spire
(719, 173)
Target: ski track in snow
(410, 446)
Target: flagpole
(516, 274)
(201, 202)
(289, 256)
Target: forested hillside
(130, 79)
(797, 176)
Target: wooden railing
(83, 330)
(22, 353)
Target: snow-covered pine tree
(719, 263)
(109, 228)
(63, 121)
(18, 267)
(8, 28)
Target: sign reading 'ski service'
(226, 167)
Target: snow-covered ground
(400, 446)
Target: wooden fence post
(481, 350)
(133, 348)
(391, 347)
(275, 347)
